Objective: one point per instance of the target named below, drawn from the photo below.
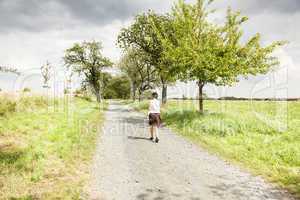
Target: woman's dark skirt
(154, 119)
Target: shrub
(147, 94)
(26, 90)
(33, 101)
(7, 106)
(86, 97)
(66, 91)
(78, 93)
(140, 106)
(83, 94)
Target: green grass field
(264, 137)
(46, 147)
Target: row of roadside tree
(186, 45)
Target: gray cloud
(279, 6)
(36, 15)
(259, 6)
(30, 15)
(101, 12)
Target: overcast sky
(33, 31)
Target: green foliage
(185, 45)
(118, 87)
(80, 93)
(25, 90)
(136, 65)
(66, 91)
(86, 98)
(210, 53)
(86, 59)
(140, 106)
(147, 94)
(105, 80)
(143, 36)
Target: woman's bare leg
(151, 131)
(156, 131)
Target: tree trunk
(133, 91)
(200, 87)
(164, 93)
(140, 95)
(98, 96)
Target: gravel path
(127, 166)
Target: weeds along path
(128, 166)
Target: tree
(105, 80)
(9, 70)
(46, 74)
(142, 35)
(26, 90)
(210, 53)
(127, 66)
(118, 88)
(136, 65)
(86, 59)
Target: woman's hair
(155, 95)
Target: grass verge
(46, 147)
(261, 136)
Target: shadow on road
(136, 121)
(151, 194)
(118, 110)
(138, 138)
(221, 190)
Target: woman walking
(154, 117)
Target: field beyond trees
(261, 136)
(46, 146)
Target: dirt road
(128, 166)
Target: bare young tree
(46, 74)
(9, 70)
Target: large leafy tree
(143, 36)
(210, 53)
(86, 59)
(137, 66)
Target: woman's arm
(149, 107)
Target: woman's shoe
(156, 140)
(151, 138)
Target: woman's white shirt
(154, 106)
